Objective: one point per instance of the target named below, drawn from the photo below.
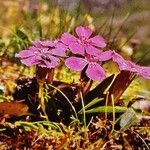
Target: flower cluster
(43, 54)
(87, 51)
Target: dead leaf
(13, 108)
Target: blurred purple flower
(145, 72)
(83, 44)
(55, 47)
(43, 54)
(94, 71)
(131, 66)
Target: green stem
(106, 104)
(42, 100)
(75, 113)
(113, 105)
(84, 116)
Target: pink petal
(75, 63)
(25, 54)
(92, 50)
(59, 50)
(126, 65)
(33, 48)
(144, 71)
(37, 43)
(30, 61)
(106, 55)
(83, 32)
(61, 45)
(77, 48)
(51, 63)
(66, 38)
(46, 43)
(139, 70)
(116, 57)
(97, 41)
(122, 63)
(95, 72)
(130, 66)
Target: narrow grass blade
(93, 102)
(110, 109)
(120, 28)
(84, 116)
(73, 108)
(128, 39)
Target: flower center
(91, 58)
(45, 58)
(83, 40)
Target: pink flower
(43, 54)
(83, 43)
(145, 72)
(94, 71)
(130, 66)
(56, 47)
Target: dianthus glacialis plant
(43, 54)
(84, 52)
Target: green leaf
(93, 102)
(128, 118)
(21, 34)
(110, 109)
(39, 28)
(99, 90)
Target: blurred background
(125, 25)
(128, 17)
